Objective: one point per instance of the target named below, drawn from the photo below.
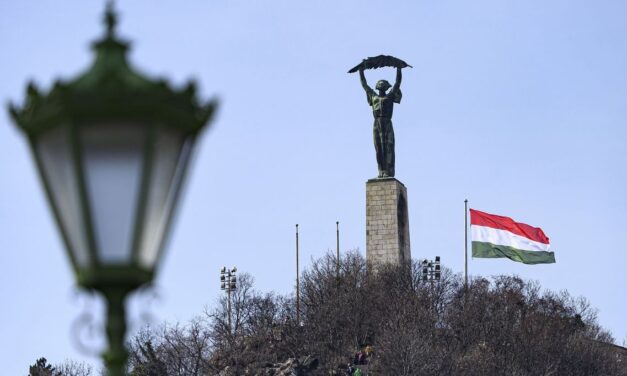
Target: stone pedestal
(387, 222)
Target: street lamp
(112, 147)
(228, 283)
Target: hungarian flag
(495, 236)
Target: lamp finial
(110, 18)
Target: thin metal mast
(297, 282)
(466, 244)
(337, 246)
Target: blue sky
(519, 106)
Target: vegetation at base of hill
(499, 326)
(68, 368)
(502, 326)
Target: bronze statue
(382, 104)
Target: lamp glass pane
(172, 151)
(54, 153)
(113, 157)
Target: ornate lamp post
(112, 147)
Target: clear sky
(519, 106)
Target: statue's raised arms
(382, 103)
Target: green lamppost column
(112, 147)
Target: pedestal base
(387, 222)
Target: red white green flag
(495, 236)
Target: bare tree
(499, 326)
(179, 350)
(73, 368)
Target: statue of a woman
(382, 104)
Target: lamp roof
(111, 90)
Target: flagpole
(297, 282)
(466, 244)
(337, 247)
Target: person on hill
(350, 370)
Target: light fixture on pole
(228, 283)
(112, 147)
(431, 270)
